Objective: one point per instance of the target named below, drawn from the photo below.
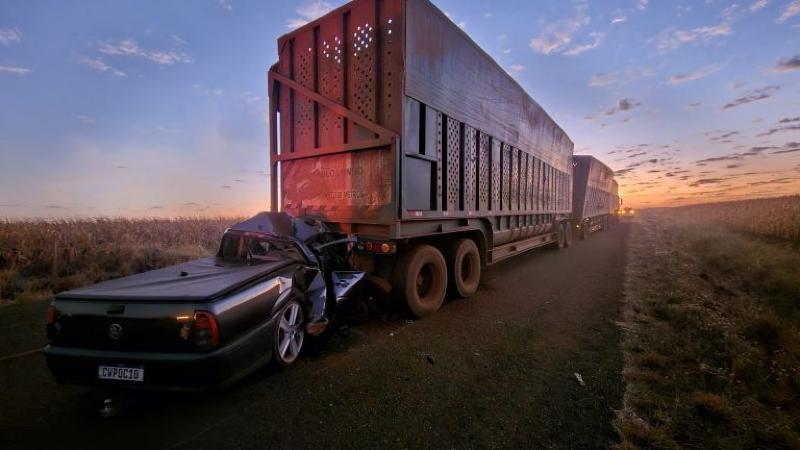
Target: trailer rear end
(389, 123)
(595, 195)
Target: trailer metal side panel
(595, 192)
(387, 118)
(448, 71)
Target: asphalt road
(496, 370)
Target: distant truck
(595, 195)
(391, 125)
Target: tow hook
(112, 407)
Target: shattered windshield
(241, 247)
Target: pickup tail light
(50, 315)
(206, 331)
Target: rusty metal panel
(448, 71)
(340, 186)
(390, 35)
(285, 102)
(470, 169)
(483, 171)
(452, 165)
(439, 161)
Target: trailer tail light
(379, 247)
(206, 331)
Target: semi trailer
(389, 124)
(595, 195)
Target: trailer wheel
(567, 234)
(584, 233)
(421, 279)
(463, 267)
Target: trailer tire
(420, 279)
(567, 234)
(584, 232)
(463, 267)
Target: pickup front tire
(420, 278)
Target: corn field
(777, 218)
(42, 257)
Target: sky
(158, 108)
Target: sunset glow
(154, 109)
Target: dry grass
(777, 218)
(38, 258)
(712, 337)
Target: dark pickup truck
(207, 322)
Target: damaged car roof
(281, 224)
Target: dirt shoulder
(711, 345)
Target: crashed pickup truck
(208, 322)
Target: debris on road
(580, 379)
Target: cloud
(16, 70)
(618, 18)
(129, 47)
(515, 68)
(792, 9)
(704, 181)
(774, 181)
(85, 119)
(789, 147)
(772, 131)
(226, 186)
(101, 66)
(672, 39)
(789, 120)
(603, 80)
(786, 65)
(753, 96)
(695, 104)
(758, 5)
(308, 12)
(642, 4)
(558, 35)
(10, 36)
(597, 39)
(226, 5)
(722, 135)
(692, 76)
(626, 104)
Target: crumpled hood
(194, 281)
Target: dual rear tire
(422, 278)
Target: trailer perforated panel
(304, 116)
(506, 189)
(452, 164)
(469, 185)
(361, 90)
(514, 179)
(483, 171)
(330, 65)
(494, 149)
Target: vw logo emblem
(115, 331)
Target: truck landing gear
(420, 278)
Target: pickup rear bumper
(166, 371)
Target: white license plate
(120, 373)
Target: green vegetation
(39, 258)
(712, 337)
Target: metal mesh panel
(506, 189)
(391, 44)
(483, 171)
(330, 57)
(361, 78)
(439, 155)
(494, 148)
(303, 107)
(469, 168)
(453, 163)
(514, 179)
